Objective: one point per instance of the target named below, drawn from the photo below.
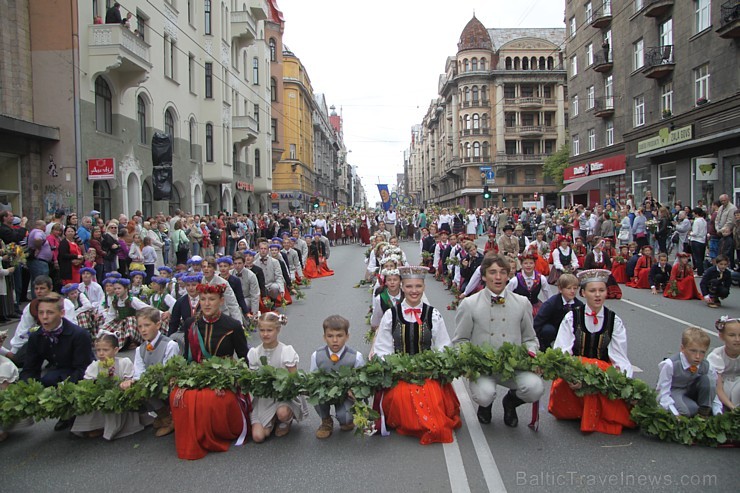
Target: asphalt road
(484, 458)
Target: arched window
(466, 122)
(476, 121)
(209, 142)
(273, 89)
(466, 65)
(273, 50)
(550, 62)
(483, 63)
(467, 149)
(509, 64)
(475, 94)
(466, 93)
(476, 149)
(174, 200)
(141, 117)
(485, 149)
(255, 71)
(101, 198)
(146, 200)
(484, 120)
(257, 164)
(484, 93)
(525, 63)
(169, 126)
(517, 66)
(192, 134)
(533, 63)
(543, 63)
(103, 106)
(474, 64)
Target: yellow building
(294, 175)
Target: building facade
(501, 111)
(655, 84)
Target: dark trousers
(727, 248)
(641, 242)
(547, 336)
(149, 268)
(698, 250)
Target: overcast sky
(380, 63)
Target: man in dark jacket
(113, 14)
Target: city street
(483, 458)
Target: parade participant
(530, 283)
(61, 343)
(430, 411)
(108, 365)
(508, 244)
(395, 249)
(313, 263)
(274, 282)
(334, 355)
(324, 240)
(686, 382)
(364, 229)
(208, 420)
(249, 264)
(85, 315)
(469, 264)
(641, 278)
(249, 282)
(540, 247)
(294, 263)
(373, 261)
(580, 250)
(8, 376)
(195, 264)
(681, 285)
(716, 282)
(160, 298)
(494, 316)
(137, 283)
(187, 306)
(632, 258)
(596, 335)
(275, 249)
(619, 265)
(563, 260)
(659, 274)
(387, 298)
(301, 246)
(598, 259)
(439, 250)
(92, 290)
(267, 412)
(224, 271)
(725, 361)
(609, 249)
(231, 306)
(444, 221)
(491, 244)
(551, 313)
(158, 349)
(120, 316)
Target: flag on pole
(385, 196)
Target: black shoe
(484, 414)
(63, 424)
(510, 402)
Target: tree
(556, 163)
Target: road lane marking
(487, 463)
(455, 467)
(688, 324)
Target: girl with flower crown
(120, 315)
(681, 285)
(725, 361)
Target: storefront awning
(581, 185)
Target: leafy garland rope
(31, 400)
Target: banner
(385, 196)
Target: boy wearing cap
(92, 290)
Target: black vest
(408, 337)
(590, 345)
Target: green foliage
(31, 399)
(555, 164)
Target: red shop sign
(243, 185)
(614, 165)
(101, 169)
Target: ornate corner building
(501, 110)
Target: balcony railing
(658, 61)
(604, 108)
(520, 158)
(475, 159)
(476, 103)
(475, 131)
(656, 8)
(602, 16)
(729, 20)
(529, 101)
(244, 128)
(115, 50)
(603, 62)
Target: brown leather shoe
(282, 429)
(347, 427)
(168, 426)
(326, 428)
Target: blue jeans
(713, 247)
(194, 248)
(37, 267)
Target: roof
(501, 36)
(474, 36)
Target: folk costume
(328, 361)
(209, 420)
(563, 260)
(429, 411)
(681, 285)
(729, 369)
(598, 259)
(641, 279)
(619, 269)
(685, 389)
(85, 314)
(120, 317)
(715, 284)
(314, 269)
(534, 287)
(598, 339)
(549, 316)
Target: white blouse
(384, 336)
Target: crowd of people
(191, 285)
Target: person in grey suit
(494, 316)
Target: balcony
(480, 103)
(729, 19)
(531, 102)
(217, 173)
(602, 63)
(115, 50)
(244, 129)
(658, 62)
(243, 28)
(602, 17)
(259, 9)
(604, 108)
(475, 131)
(513, 159)
(657, 8)
(475, 159)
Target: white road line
(455, 467)
(684, 322)
(487, 463)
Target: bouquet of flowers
(454, 304)
(17, 255)
(269, 304)
(298, 294)
(453, 261)
(619, 260)
(652, 225)
(426, 259)
(673, 288)
(306, 282)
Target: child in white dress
(266, 412)
(725, 360)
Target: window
(273, 129)
(192, 132)
(572, 25)
(589, 54)
(255, 71)
(591, 139)
(609, 92)
(476, 94)
(530, 176)
(476, 121)
(702, 17)
(141, 117)
(476, 149)
(101, 198)
(589, 12)
(207, 17)
(103, 107)
(273, 89)
(590, 97)
(141, 24)
(666, 99)
(474, 64)
(485, 149)
(257, 115)
(574, 105)
(466, 95)
(257, 164)
(666, 33)
(609, 133)
(292, 151)
(511, 176)
(466, 65)
(273, 50)
(667, 183)
(191, 73)
(573, 66)
(639, 111)
(209, 142)
(701, 84)
(607, 7)
(169, 57)
(576, 147)
(638, 5)
(191, 14)
(146, 200)
(640, 184)
(169, 125)
(638, 54)
(209, 80)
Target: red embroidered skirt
(687, 290)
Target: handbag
(640, 235)
(624, 235)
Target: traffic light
(315, 202)
(486, 193)
(503, 198)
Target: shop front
(589, 183)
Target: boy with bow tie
(552, 312)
